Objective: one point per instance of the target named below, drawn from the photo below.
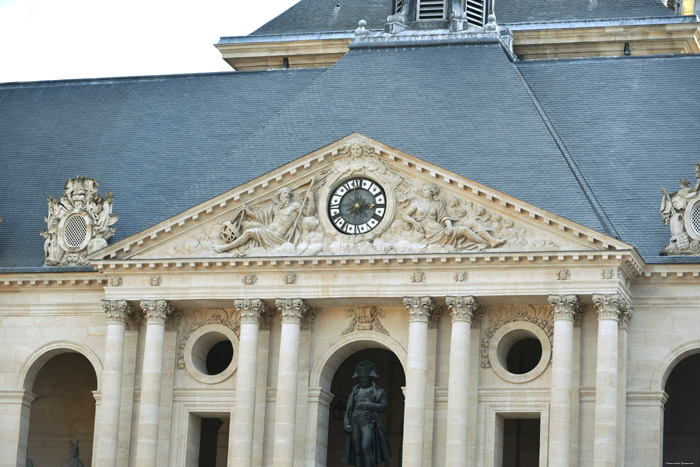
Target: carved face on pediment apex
(356, 147)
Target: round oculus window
(356, 206)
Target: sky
(68, 39)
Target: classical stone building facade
(453, 198)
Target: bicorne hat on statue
(366, 368)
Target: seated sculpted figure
(429, 217)
(368, 441)
(269, 228)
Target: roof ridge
(600, 213)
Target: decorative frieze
(78, 224)
(564, 306)
(115, 281)
(610, 306)
(157, 311)
(292, 310)
(290, 279)
(155, 281)
(462, 308)
(419, 308)
(607, 274)
(365, 318)
(251, 310)
(117, 311)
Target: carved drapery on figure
(78, 224)
(681, 212)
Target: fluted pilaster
(462, 310)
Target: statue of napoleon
(368, 440)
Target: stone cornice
(419, 308)
(630, 258)
(251, 310)
(564, 307)
(116, 311)
(462, 308)
(156, 311)
(292, 310)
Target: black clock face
(357, 206)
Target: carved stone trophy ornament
(79, 224)
(368, 440)
(681, 212)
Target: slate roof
(643, 114)
(145, 139)
(164, 144)
(342, 15)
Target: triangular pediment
(358, 196)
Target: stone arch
(323, 371)
(43, 354)
(658, 382)
(321, 378)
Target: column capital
(419, 308)
(157, 311)
(251, 310)
(462, 308)
(116, 310)
(610, 306)
(564, 307)
(292, 310)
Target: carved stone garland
(79, 224)
(496, 317)
(199, 318)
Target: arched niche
(39, 357)
(61, 378)
(321, 378)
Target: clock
(356, 206)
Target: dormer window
(431, 9)
(477, 12)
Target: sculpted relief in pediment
(360, 203)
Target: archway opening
(63, 411)
(391, 378)
(681, 414)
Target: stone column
(419, 311)
(108, 428)
(609, 308)
(292, 311)
(564, 308)
(157, 311)
(241, 451)
(462, 310)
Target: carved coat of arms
(78, 224)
